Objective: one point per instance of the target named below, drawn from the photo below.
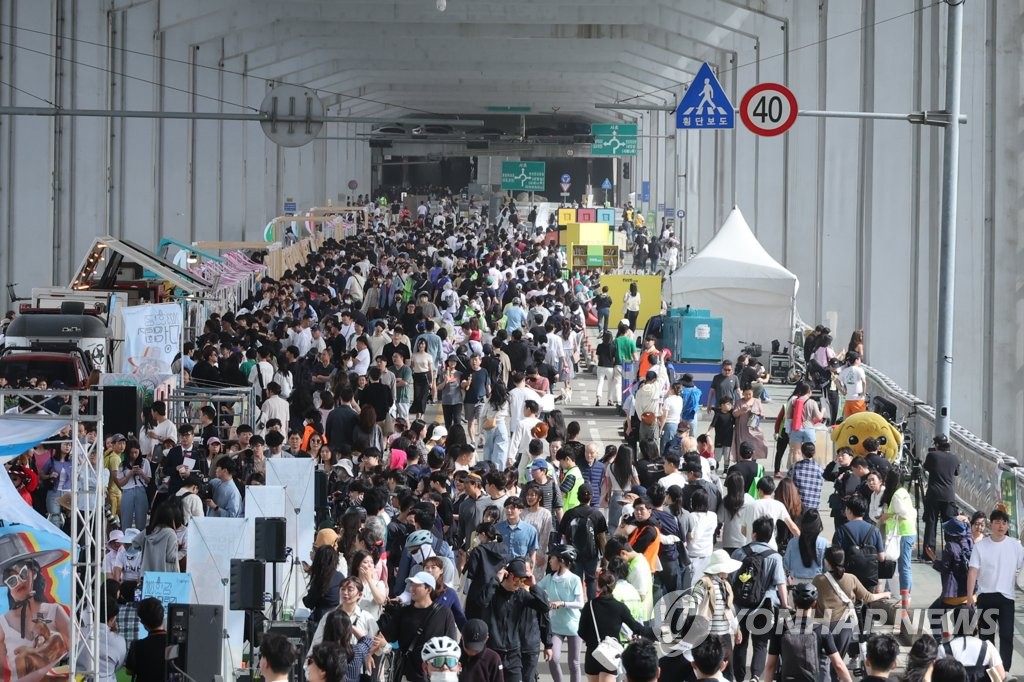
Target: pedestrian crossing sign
(705, 105)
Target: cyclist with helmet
(564, 591)
(806, 648)
(441, 659)
(416, 624)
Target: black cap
(517, 567)
(474, 635)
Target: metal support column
(947, 234)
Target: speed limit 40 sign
(768, 109)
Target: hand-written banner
(152, 337)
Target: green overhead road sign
(523, 176)
(614, 139)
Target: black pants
(667, 579)
(512, 665)
(586, 569)
(529, 657)
(452, 415)
(754, 620)
(935, 512)
(993, 601)
(781, 447)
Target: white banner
(212, 544)
(152, 337)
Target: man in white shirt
(995, 563)
(766, 505)
(853, 383)
(274, 407)
(361, 365)
(163, 430)
(262, 373)
(519, 442)
(673, 476)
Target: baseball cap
(325, 536)
(211, 441)
(438, 433)
(117, 438)
(474, 635)
(423, 578)
(539, 463)
(517, 567)
(638, 490)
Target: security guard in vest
(572, 477)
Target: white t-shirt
(767, 506)
(967, 649)
(855, 382)
(673, 406)
(998, 564)
(704, 525)
(732, 533)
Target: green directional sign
(523, 176)
(614, 139)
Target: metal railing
(234, 406)
(988, 476)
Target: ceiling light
(442, 5)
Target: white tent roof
(734, 259)
(735, 278)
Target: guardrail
(988, 476)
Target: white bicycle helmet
(440, 646)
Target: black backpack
(798, 653)
(861, 561)
(583, 536)
(977, 672)
(750, 584)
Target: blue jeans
(903, 563)
(134, 507)
(496, 445)
(603, 315)
(667, 432)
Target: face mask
(444, 676)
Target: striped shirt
(808, 477)
(721, 617)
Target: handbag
(886, 569)
(608, 653)
(648, 418)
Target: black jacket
(482, 566)
(610, 614)
(508, 620)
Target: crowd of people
(471, 530)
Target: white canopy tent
(740, 282)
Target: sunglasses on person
(13, 580)
(443, 661)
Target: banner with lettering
(152, 337)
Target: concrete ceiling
(405, 57)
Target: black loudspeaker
(122, 410)
(319, 489)
(884, 407)
(198, 632)
(248, 580)
(270, 539)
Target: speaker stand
(292, 579)
(227, 665)
(276, 600)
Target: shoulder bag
(608, 653)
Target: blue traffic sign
(645, 190)
(607, 184)
(566, 178)
(705, 105)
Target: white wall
(851, 207)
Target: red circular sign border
(758, 89)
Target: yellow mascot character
(857, 427)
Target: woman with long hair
(159, 544)
(856, 344)
(133, 477)
(556, 426)
(900, 520)
(729, 512)
(324, 581)
(570, 354)
(877, 487)
(607, 358)
(27, 605)
(363, 566)
(57, 472)
(631, 305)
(802, 413)
(920, 658)
(350, 633)
(423, 370)
(367, 434)
(787, 493)
(603, 617)
(443, 594)
(838, 594)
(494, 422)
(620, 475)
(804, 560)
(540, 518)
(323, 458)
(565, 594)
